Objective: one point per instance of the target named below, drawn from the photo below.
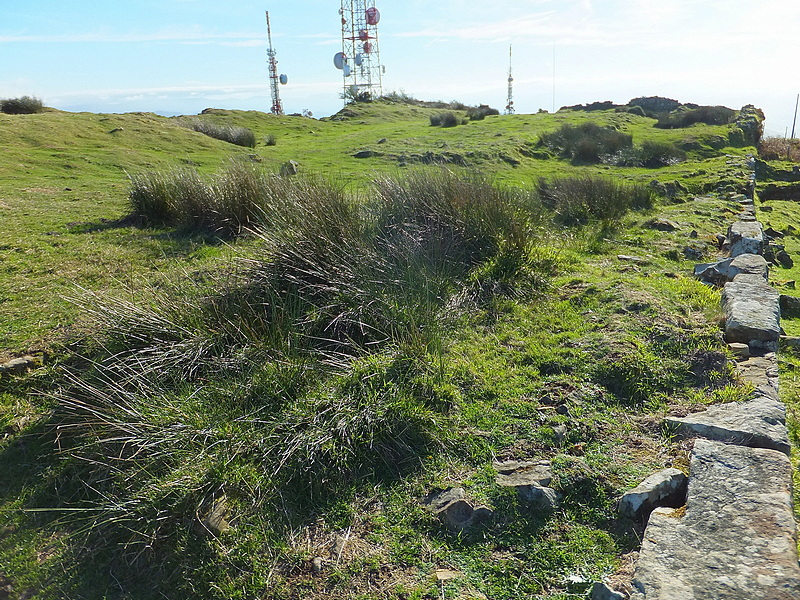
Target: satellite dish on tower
(361, 57)
(284, 79)
(339, 60)
(373, 16)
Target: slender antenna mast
(554, 76)
(510, 103)
(274, 78)
(794, 123)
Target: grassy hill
(262, 415)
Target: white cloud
(107, 37)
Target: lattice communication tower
(275, 80)
(360, 58)
(510, 102)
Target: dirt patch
(42, 190)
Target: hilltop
(251, 383)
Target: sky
(181, 56)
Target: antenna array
(510, 103)
(360, 58)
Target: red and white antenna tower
(360, 58)
(510, 103)
(275, 80)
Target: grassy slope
(75, 165)
(513, 364)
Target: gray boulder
(18, 366)
(726, 270)
(757, 423)
(540, 498)
(531, 479)
(291, 167)
(751, 264)
(752, 312)
(600, 591)
(745, 237)
(455, 511)
(665, 488)
(762, 373)
(736, 540)
(790, 306)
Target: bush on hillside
(650, 154)
(653, 106)
(579, 200)
(445, 119)
(479, 113)
(773, 148)
(686, 117)
(241, 136)
(592, 106)
(25, 105)
(587, 142)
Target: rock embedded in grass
(665, 488)
(18, 366)
(455, 511)
(530, 478)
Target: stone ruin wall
(735, 536)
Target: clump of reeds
(578, 200)
(241, 136)
(587, 142)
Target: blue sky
(180, 56)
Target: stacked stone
(736, 538)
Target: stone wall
(736, 536)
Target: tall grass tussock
(587, 142)
(579, 200)
(314, 365)
(240, 136)
(228, 204)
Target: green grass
(387, 332)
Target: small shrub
(240, 136)
(270, 140)
(167, 198)
(25, 105)
(651, 154)
(446, 119)
(479, 113)
(686, 117)
(586, 143)
(774, 148)
(578, 200)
